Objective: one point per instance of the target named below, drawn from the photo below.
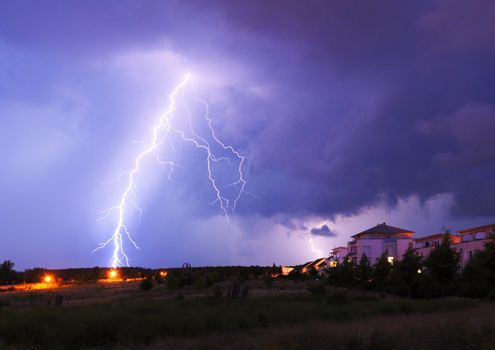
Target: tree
(7, 273)
(478, 277)
(276, 269)
(407, 274)
(442, 266)
(33, 275)
(363, 272)
(381, 273)
(345, 273)
(268, 279)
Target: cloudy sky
(350, 114)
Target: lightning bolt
(162, 132)
(313, 248)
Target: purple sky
(351, 113)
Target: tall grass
(144, 322)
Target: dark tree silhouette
(363, 272)
(442, 266)
(381, 273)
(7, 273)
(407, 274)
(478, 277)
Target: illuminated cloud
(323, 231)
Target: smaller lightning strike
(313, 248)
(162, 131)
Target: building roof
(318, 262)
(477, 229)
(384, 229)
(314, 264)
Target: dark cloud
(349, 132)
(323, 231)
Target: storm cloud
(323, 231)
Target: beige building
(380, 239)
(337, 256)
(425, 245)
(395, 241)
(473, 239)
(466, 243)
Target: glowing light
(419, 271)
(112, 274)
(48, 279)
(390, 260)
(163, 273)
(161, 134)
(286, 270)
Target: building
(471, 240)
(337, 256)
(394, 241)
(425, 245)
(380, 239)
(466, 243)
(286, 270)
(317, 265)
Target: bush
(146, 284)
(338, 297)
(217, 292)
(317, 289)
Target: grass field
(283, 322)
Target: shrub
(146, 284)
(317, 289)
(338, 297)
(217, 292)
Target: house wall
(424, 252)
(338, 254)
(374, 248)
(467, 249)
(402, 246)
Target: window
(480, 235)
(333, 263)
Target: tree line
(8, 275)
(176, 277)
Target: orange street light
(48, 279)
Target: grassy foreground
(292, 323)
